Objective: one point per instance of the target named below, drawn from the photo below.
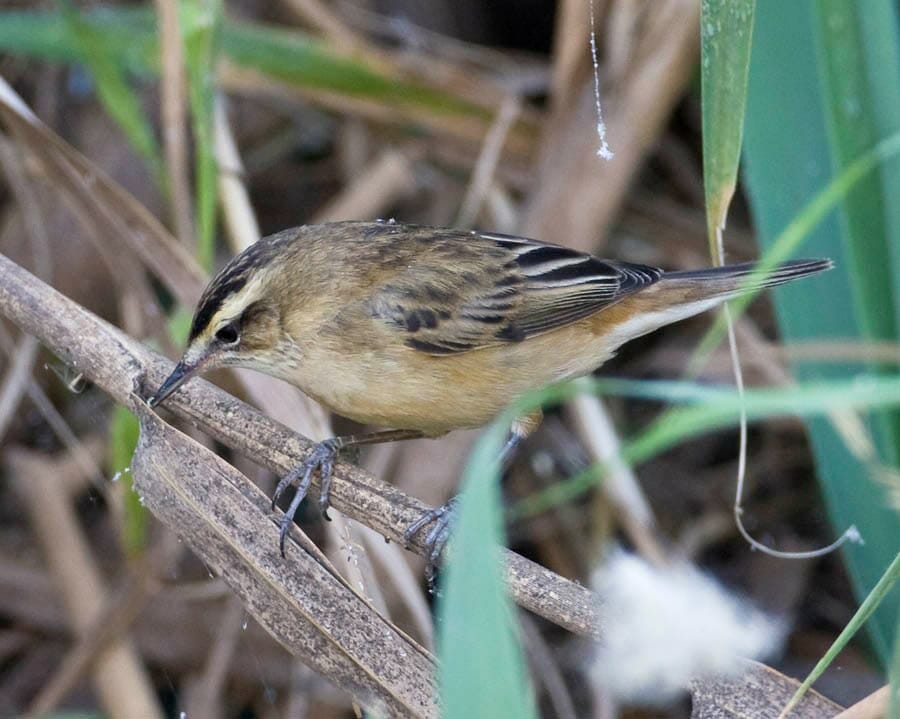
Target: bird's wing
(465, 291)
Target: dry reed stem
(873, 706)
(109, 625)
(299, 599)
(468, 127)
(14, 385)
(121, 683)
(570, 42)
(486, 165)
(205, 701)
(620, 486)
(240, 219)
(321, 17)
(173, 101)
(85, 459)
(577, 195)
(191, 612)
(387, 179)
(116, 213)
(759, 692)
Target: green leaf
(792, 148)
(481, 669)
(124, 431)
(200, 23)
(116, 95)
(726, 29)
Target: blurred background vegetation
(231, 120)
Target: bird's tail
(679, 295)
(732, 280)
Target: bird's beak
(182, 372)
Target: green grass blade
(709, 408)
(859, 66)
(117, 96)
(301, 60)
(894, 705)
(124, 430)
(288, 56)
(726, 29)
(869, 605)
(787, 160)
(481, 670)
(129, 36)
(200, 23)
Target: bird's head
(237, 322)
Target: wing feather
(464, 291)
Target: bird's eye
(227, 334)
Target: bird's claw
(321, 457)
(436, 539)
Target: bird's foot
(321, 457)
(436, 539)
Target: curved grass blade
(870, 604)
(200, 29)
(481, 670)
(117, 96)
(286, 56)
(795, 139)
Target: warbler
(424, 330)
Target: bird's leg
(322, 457)
(442, 517)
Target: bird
(422, 330)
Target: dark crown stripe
(212, 302)
(232, 278)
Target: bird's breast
(394, 386)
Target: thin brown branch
(57, 423)
(322, 18)
(486, 166)
(387, 179)
(116, 212)
(206, 702)
(107, 627)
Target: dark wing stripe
(538, 260)
(468, 291)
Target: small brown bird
(425, 330)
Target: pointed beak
(179, 376)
